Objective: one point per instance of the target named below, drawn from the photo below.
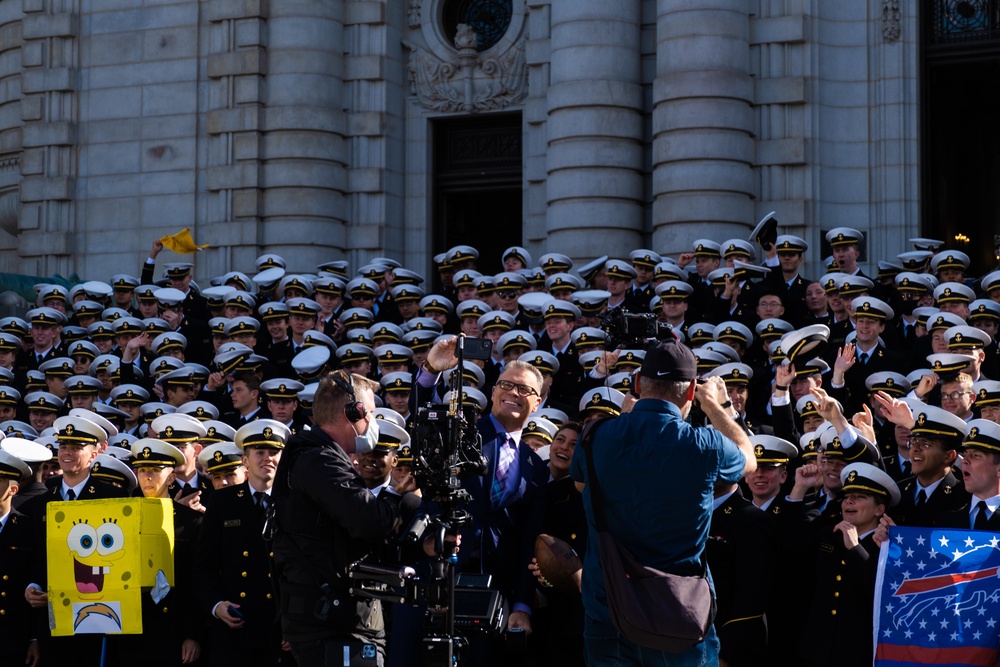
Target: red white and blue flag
(937, 598)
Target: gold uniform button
(833, 612)
(5, 577)
(843, 563)
(243, 595)
(246, 553)
(271, 554)
(243, 574)
(838, 577)
(165, 610)
(3, 612)
(836, 595)
(269, 595)
(3, 594)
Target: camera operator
(665, 526)
(507, 505)
(327, 519)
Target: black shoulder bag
(656, 609)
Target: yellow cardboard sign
(101, 555)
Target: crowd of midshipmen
(838, 379)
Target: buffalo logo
(853, 476)
(758, 451)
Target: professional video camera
(446, 447)
(628, 330)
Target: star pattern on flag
(937, 591)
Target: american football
(557, 563)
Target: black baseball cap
(669, 360)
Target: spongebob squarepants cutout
(102, 554)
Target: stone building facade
(309, 127)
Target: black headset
(355, 410)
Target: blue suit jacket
(501, 541)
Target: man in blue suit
(507, 505)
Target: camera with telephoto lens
(627, 330)
(446, 448)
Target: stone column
(595, 134)
(304, 206)
(49, 111)
(702, 123)
(10, 123)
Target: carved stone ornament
(413, 13)
(467, 81)
(890, 20)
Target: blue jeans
(604, 646)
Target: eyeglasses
(921, 443)
(507, 294)
(955, 395)
(521, 389)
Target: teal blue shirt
(657, 475)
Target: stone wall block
(48, 80)
(221, 10)
(43, 188)
(34, 244)
(49, 134)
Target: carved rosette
(890, 20)
(466, 81)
